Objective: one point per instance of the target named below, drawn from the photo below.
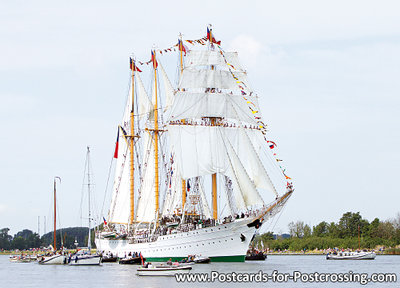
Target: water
(115, 275)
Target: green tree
(19, 243)
(5, 239)
(321, 230)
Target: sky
(326, 73)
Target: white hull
(166, 271)
(53, 260)
(224, 242)
(352, 256)
(85, 260)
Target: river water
(115, 275)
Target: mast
(156, 180)
(88, 175)
(55, 213)
(214, 176)
(183, 121)
(132, 167)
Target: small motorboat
(84, 258)
(131, 260)
(347, 255)
(198, 259)
(162, 270)
(256, 256)
(109, 258)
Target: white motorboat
(358, 255)
(52, 260)
(84, 259)
(163, 270)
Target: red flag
(153, 59)
(105, 222)
(181, 47)
(116, 146)
(133, 66)
(211, 38)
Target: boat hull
(356, 256)
(222, 243)
(164, 271)
(53, 260)
(85, 260)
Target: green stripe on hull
(237, 258)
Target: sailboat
(85, 257)
(55, 258)
(208, 133)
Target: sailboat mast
(156, 180)
(88, 175)
(55, 215)
(132, 167)
(214, 176)
(183, 121)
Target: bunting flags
(116, 146)
(133, 66)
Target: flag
(272, 144)
(211, 38)
(133, 66)
(181, 46)
(188, 185)
(153, 59)
(116, 146)
(105, 222)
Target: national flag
(133, 66)
(105, 222)
(211, 38)
(188, 185)
(272, 144)
(182, 47)
(153, 59)
(116, 146)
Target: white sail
(206, 58)
(120, 209)
(145, 211)
(220, 79)
(199, 150)
(173, 196)
(144, 104)
(169, 90)
(241, 179)
(197, 105)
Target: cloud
(249, 49)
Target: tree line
(27, 239)
(346, 233)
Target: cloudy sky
(327, 73)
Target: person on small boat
(169, 262)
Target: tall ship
(195, 172)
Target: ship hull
(222, 243)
